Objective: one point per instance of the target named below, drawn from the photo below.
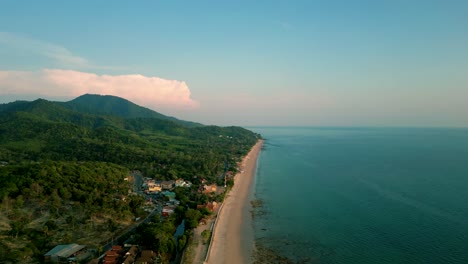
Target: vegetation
(63, 171)
(206, 235)
(116, 106)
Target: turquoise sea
(364, 195)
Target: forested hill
(116, 106)
(63, 165)
(44, 130)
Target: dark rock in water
(264, 255)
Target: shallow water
(364, 195)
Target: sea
(363, 195)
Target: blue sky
(320, 63)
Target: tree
(206, 235)
(45, 230)
(17, 227)
(192, 217)
(181, 243)
(230, 183)
(19, 202)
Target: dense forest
(64, 167)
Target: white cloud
(153, 92)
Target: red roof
(111, 253)
(116, 248)
(110, 259)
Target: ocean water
(364, 195)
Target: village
(160, 201)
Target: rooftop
(64, 251)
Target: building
(147, 257)
(182, 183)
(113, 256)
(209, 188)
(211, 206)
(168, 210)
(167, 185)
(70, 253)
(154, 187)
(130, 256)
(170, 195)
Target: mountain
(116, 106)
(65, 170)
(107, 129)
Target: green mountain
(63, 165)
(116, 106)
(73, 131)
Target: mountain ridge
(117, 106)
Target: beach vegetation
(206, 236)
(230, 183)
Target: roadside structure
(69, 253)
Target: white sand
(233, 237)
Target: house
(129, 260)
(182, 183)
(113, 255)
(167, 185)
(111, 259)
(117, 248)
(69, 253)
(154, 186)
(168, 210)
(150, 185)
(179, 183)
(209, 188)
(147, 257)
(211, 206)
(170, 195)
(130, 255)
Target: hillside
(116, 106)
(62, 169)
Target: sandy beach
(233, 237)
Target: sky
(248, 63)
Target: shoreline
(233, 234)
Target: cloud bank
(152, 92)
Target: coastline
(233, 237)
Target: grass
(189, 253)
